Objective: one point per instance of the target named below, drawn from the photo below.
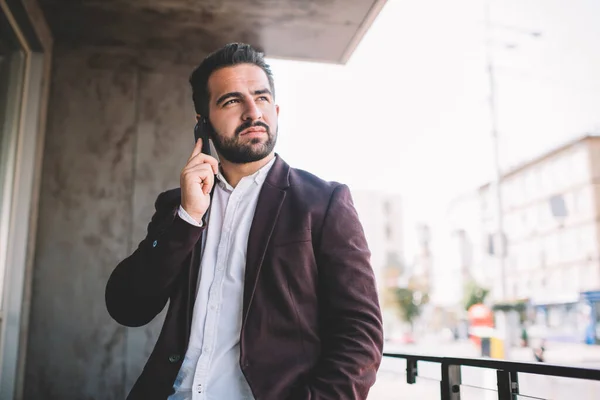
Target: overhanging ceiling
(317, 30)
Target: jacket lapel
(269, 204)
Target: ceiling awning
(325, 30)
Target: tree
(410, 302)
(474, 294)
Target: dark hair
(229, 55)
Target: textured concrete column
(119, 131)
(164, 143)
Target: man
(271, 294)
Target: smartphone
(201, 131)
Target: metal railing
(506, 373)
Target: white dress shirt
(211, 369)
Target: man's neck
(235, 172)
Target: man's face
(243, 113)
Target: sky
(409, 114)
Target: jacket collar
(279, 175)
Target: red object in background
(408, 338)
(480, 316)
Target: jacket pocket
(304, 235)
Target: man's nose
(252, 112)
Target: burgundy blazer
(311, 324)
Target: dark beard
(232, 150)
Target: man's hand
(196, 181)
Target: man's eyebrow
(263, 91)
(226, 96)
(238, 95)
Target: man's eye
(231, 102)
(263, 98)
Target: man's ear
(277, 109)
(198, 117)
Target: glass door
(12, 72)
(25, 45)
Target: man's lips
(253, 131)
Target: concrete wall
(119, 132)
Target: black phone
(201, 131)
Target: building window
(393, 260)
(558, 207)
(387, 208)
(388, 231)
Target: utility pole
(499, 240)
(499, 237)
(504, 321)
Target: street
(480, 384)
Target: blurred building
(421, 268)
(551, 208)
(381, 216)
(95, 120)
(464, 227)
(461, 235)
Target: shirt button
(199, 388)
(155, 243)
(173, 358)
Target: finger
(207, 184)
(195, 170)
(201, 174)
(207, 178)
(197, 149)
(213, 163)
(202, 158)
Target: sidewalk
(575, 354)
(572, 354)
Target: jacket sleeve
(352, 330)
(139, 287)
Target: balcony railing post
(514, 382)
(508, 385)
(451, 380)
(411, 371)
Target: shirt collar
(258, 177)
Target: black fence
(507, 373)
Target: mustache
(250, 124)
